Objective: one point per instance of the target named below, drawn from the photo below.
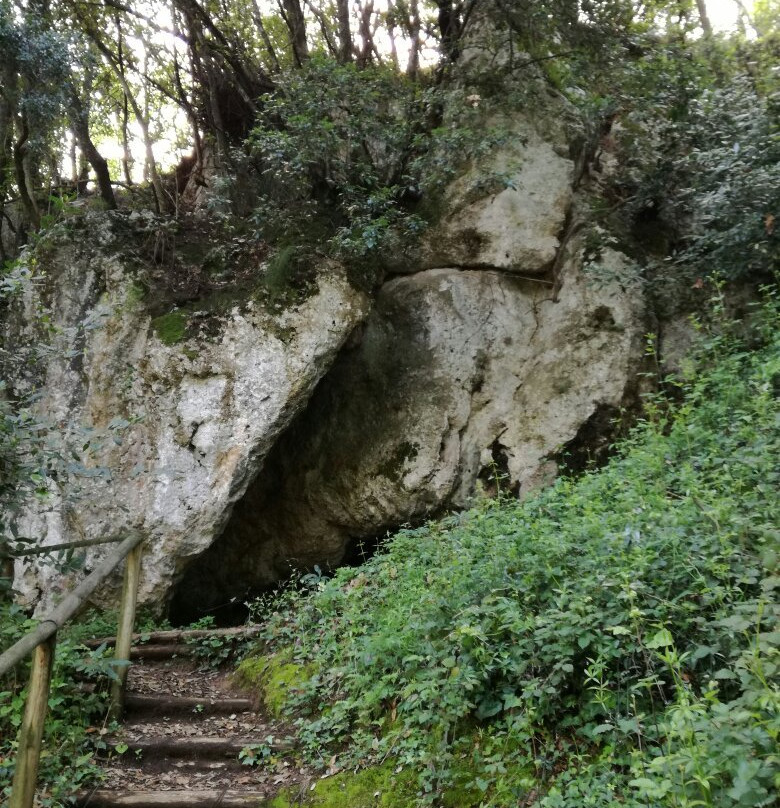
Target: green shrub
(333, 147)
(75, 723)
(588, 644)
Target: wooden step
(174, 705)
(160, 651)
(197, 748)
(172, 799)
(179, 635)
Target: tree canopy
(91, 90)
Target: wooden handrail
(16, 552)
(50, 624)
(41, 642)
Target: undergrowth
(612, 641)
(76, 723)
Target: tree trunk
(141, 115)
(125, 111)
(706, 25)
(415, 26)
(127, 157)
(345, 32)
(367, 45)
(88, 148)
(292, 14)
(82, 173)
(184, 101)
(324, 22)
(21, 175)
(251, 82)
(258, 20)
(449, 28)
(223, 150)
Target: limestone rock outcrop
(183, 427)
(259, 439)
(507, 342)
(508, 211)
(460, 381)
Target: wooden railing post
(31, 733)
(124, 633)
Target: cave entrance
(196, 596)
(277, 530)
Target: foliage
(353, 163)
(732, 164)
(611, 641)
(255, 754)
(75, 725)
(702, 161)
(214, 650)
(334, 146)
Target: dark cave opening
(235, 608)
(593, 445)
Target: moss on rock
(274, 677)
(170, 328)
(374, 787)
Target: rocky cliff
(180, 409)
(251, 437)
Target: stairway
(185, 727)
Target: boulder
(181, 410)
(460, 383)
(509, 211)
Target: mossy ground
(375, 787)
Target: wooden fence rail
(23, 552)
(41, 642)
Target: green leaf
(661, 639)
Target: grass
(611, 642)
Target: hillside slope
(612, 641)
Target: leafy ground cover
(612, 641)
(76, 723)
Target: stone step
(172, 799)
(195, 748)
(176, 705)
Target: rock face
(192, 421)
(476, 367)
(509, 211)
(459, 380)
